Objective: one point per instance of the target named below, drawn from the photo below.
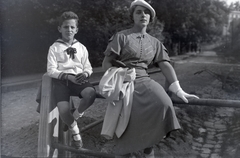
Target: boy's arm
(87, 68)
(52, 70)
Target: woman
(152, 115)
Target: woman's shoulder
(123, 32)
(155, 41)
(120, 35)
(153, 38)
(127, 32)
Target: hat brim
(143, 4)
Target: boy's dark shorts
(62, 90)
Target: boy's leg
(88, 97)
(62, 96)
(64, 112)
(68, 119)
(77, 139)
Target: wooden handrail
(49, 124)
(200, 102)
(210, 102)
(83, 151)
(89, 126)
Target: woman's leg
(88, 97)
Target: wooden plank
(64, 138)
(83, 151)
(91, 125)
(49, 127)
(49, 120)
(210, 102)
(43, 135)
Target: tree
(235, 6)
(191, 20)
(30, 27)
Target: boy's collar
(61, 41)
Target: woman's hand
(171, 77)
(177, 90)
(118, 63)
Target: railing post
(49, 120)
(65, 139)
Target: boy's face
(68, 29)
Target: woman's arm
(107, 61)
(171, 77)
(168, 71)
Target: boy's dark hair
(67, 16)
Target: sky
(230, 1)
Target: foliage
(235, 38)
(191, 20)
(235, 6)
(29, 27)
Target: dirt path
(207, 131)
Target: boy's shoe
(77, 143)
(151, 155)
(65, 128)
(77, 140)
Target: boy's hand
(72, 78)
(78, 79)
(81, 77)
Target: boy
(69, 66)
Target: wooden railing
(54, 141)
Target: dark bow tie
(71, 51)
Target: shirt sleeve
(86, 63)
(52, 65)
(161, 53)
(115, 45)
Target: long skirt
(152, 117)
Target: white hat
(144, 4)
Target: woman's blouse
(137, 50)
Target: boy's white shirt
(58, 61)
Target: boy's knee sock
(75, 131)
(77, 115)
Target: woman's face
(141, 16)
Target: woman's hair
(67, 16)
(132, 10)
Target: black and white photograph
(120, 78)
